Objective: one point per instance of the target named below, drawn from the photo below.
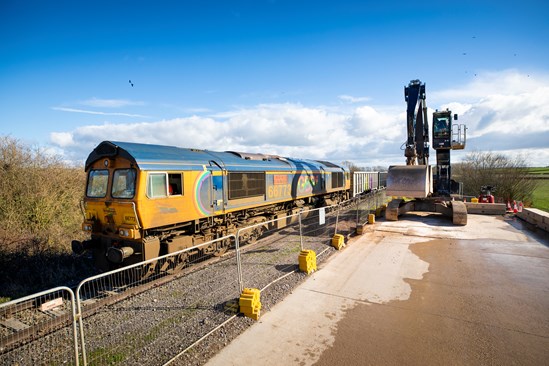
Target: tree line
(509, 175)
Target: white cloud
(507, 82)
(110, 103)
(75, 110)
(499, 117)
(62, 139)
(351, 99)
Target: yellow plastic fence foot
(249, 303)
(307, 261)
(371, 219)
(338, 241)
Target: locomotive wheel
(255, 233)
(141, 273)
(222, 248)
(149, 270)
(178, 263)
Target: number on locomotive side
(279, 191)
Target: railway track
(27, 321)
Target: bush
(40, 214)
(39, 199)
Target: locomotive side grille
(243, 185)
(337, 180)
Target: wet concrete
(481, 303)
(417, 291)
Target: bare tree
(352, 166)
(508, 175)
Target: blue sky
(309, 79)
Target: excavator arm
(415, 178)
(417, 143)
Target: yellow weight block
(307, 261)
(250, 303)
(253, 316)
(253, 291)
(371, 219)
(338, 241)
(246, 301)
(250, 310)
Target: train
(142, 201)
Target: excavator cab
(446, 133)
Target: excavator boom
(415, 178)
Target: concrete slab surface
(419, 291)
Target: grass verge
(540, 196)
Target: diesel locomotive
(142, 201)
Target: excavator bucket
(414, 181)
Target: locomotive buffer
(415, 185)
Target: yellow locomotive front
(110, 213)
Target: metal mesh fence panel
(346, 218)
(39, 329)
(368, 204)
(318, 229)
(131, 320)
(268, 250)
(275, 253)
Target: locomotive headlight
(87, 226)
(125, 232)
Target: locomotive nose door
(217, 174)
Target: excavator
(417, 186)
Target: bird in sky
(130, 83)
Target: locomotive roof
(159, 157)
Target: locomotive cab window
(157, 185)
(175, 184)
(98, 179)
(163, 184)
(123, 183)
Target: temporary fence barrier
(168, 316)
(282, 239)
(134, 314)
(39, 329)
